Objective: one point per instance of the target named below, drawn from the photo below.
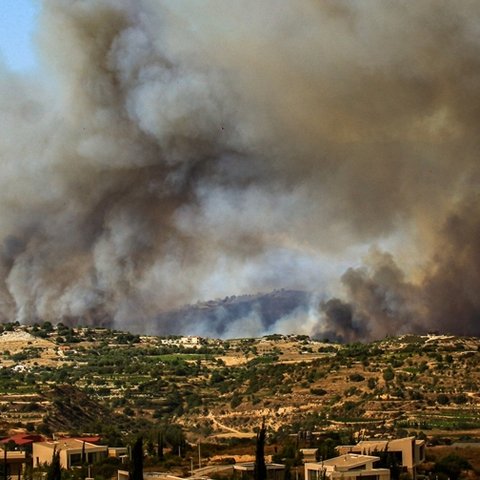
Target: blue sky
(17, 23)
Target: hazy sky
(180, 151)
(17, 21)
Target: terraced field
(216, 388)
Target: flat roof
(71, 444)
(250, 466)
(386, 441)
(13, 455)
(348, 460)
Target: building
(71, 452)
(192, 342)
(117, 452)
(350, 466)
(409, 452)
(309, 454)
(21, 441)
(244, 471)
(14, 462)
(124, 475)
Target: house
(244, 471)
(117, 452)
(14, 461)
(309, 454)
(92, 439)
(21, 441)
(409, 452)
(71, 452)
(193, 342)
(350, 466)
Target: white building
(409, 452)
(350, 466)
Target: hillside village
(82, 386)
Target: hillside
(219, 389)
(220, 314)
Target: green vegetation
(138, 383)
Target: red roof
(93, 439)
(22, 439)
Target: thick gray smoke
(169, 152)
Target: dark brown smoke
(170, 152)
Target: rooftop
(70, 444)
(385, 442)
(22, 439)
(14, 455)
(249, 466)
(349, 460)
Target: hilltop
(222, 388)
(219, 314)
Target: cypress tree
(5, 466)
(54, 471)
(260, 469)
(136, 464)
(161, 456)
(84, 455)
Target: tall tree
(260, 470)
(136, 464)
(5, 475)
(54, 471)
(161, 456)
(84, 455)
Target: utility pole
(199, 457)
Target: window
(75, 459)
(314, 475)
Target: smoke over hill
(170, 152)
(289, 311)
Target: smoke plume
(168, 152)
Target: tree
(136, 464)
(4, 469)
(452, 465)
(372, 383)
(260, 469)
(442, 399)
(174, 436)
(84, 455)
(388, 374)
(160, 455)
(54, 471)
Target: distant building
(244, 471)
(193, 342)
(409, 452)
(14, 462)
(309, 454)
(124, 475)
(71, 451)
(117, 452)
(22, 441)
(350, 466)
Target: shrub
(236, 400)
(388, 374)
(442, 399)
(318, 391)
